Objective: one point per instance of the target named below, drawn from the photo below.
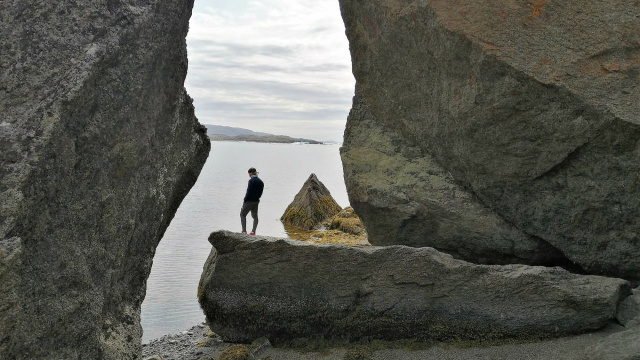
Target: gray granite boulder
(98, 146)
(513, 127)
(255, 286)
(623, 345)
(629, 310)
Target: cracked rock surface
(98, 146)
(499, 132)
(254, 286)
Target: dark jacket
(254, 189)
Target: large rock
(261, 286)
(624, 345)
(98, 146)
(311, 206)
(511, 128)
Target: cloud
(268, 65)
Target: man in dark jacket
(251, 201)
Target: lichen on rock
(99, 144)
(497, 131)
(312, 205)
(316, 217)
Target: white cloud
(277, 66)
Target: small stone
(154, 357)
(629, 310)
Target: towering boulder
(311, 205)
(98, 146)
(498, 131)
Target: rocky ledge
(254, 286)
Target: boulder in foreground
(260, 286)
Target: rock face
(624, 345)
(629, 310)
(98, 146)
(499, 132)
(311, 205)
(260, 286)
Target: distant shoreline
(281, 139)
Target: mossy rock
(347, 221)
(236, 352)
(358, 353)
(311, 206)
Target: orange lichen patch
(545, 61)
(488, 46)
(611, 67)
(593, 69)
(538, 7)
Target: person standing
(251, 201)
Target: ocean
(214, 203)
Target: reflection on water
(214, 203)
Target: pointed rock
(312, 205)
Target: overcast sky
(276, 66)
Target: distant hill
(263, 138)
(231, 131)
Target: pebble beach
(199, 343)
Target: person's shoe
(252, 233)
(244, 232)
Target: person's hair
(252, 170)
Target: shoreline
(199, 343)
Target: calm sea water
(214, 203)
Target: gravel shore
(199, 343)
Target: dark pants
(246, 207)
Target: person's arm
(260, 188)
(248, 191)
